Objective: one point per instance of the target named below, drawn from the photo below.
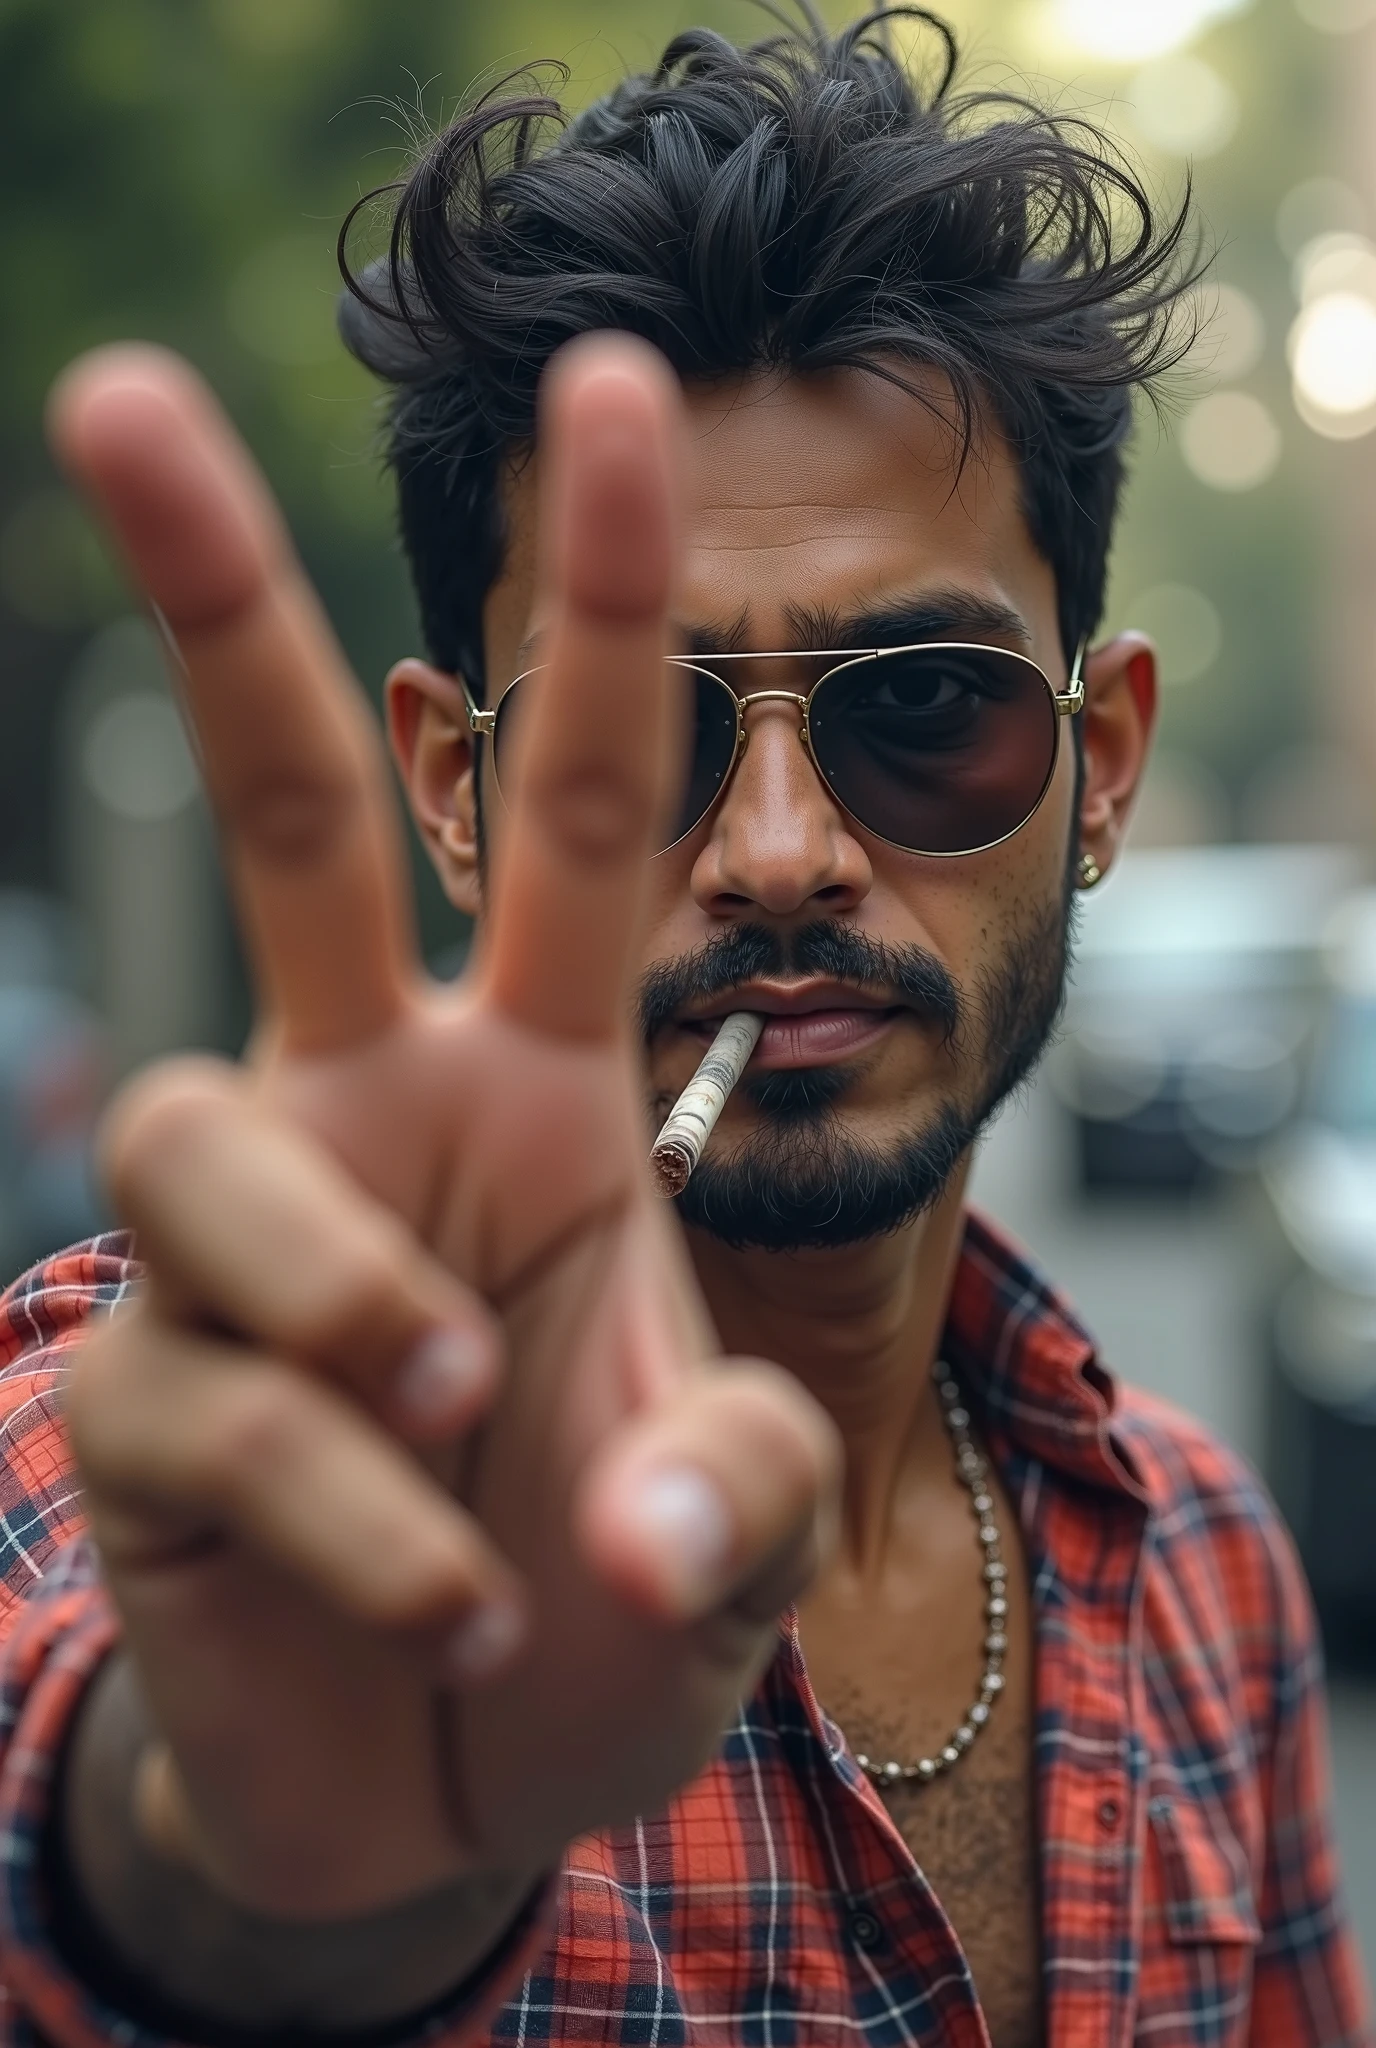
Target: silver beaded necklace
(973, 1471)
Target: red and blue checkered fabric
(1189, 1893)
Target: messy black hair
(802, 204)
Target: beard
(801, 1180)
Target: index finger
(293, 768)
(597, 743)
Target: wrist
(148, 1926)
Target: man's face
(907, 993)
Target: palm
(500, 1122)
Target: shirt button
(866, 1930)
(1110, 1813)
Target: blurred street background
(1197, 1164)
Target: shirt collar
(1030, 1365)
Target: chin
(805, 1182)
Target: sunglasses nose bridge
(752, 697)
(793, 697)
(801, 703)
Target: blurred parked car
(1197, 984)
(1322, 1185)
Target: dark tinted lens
(711, 748)
(709, 716)
(940, 750)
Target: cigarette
(678, 1147)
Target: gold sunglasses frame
(1066, 704)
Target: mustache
(752, 952)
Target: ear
(427, 725)
(1118, 720)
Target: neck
(860, 1328)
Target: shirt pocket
(1206, 1889)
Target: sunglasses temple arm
(1072, 698)
(479, 720)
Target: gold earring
(1088, 871)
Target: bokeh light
(1183, 107)
(1317, 206)
(1332, 353)
(1335, 263)
(1130, 31)
(1332, 345)
(1230, 441)
(136, 760)
(1185, 626)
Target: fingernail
(484, 1641)
(684, 1518)
(444, 1372)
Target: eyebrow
(943, 614)
(946, 614)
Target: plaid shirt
(1187, 1874)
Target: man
(440, 1510)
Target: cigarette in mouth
(678, 1147)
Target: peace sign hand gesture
(438, 1533)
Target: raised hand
(438, 1532)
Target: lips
(819, 1037)
(810, 1027)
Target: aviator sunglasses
(940, 748)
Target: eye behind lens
(937, 750)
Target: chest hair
(973, 1836)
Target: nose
(779, 842)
